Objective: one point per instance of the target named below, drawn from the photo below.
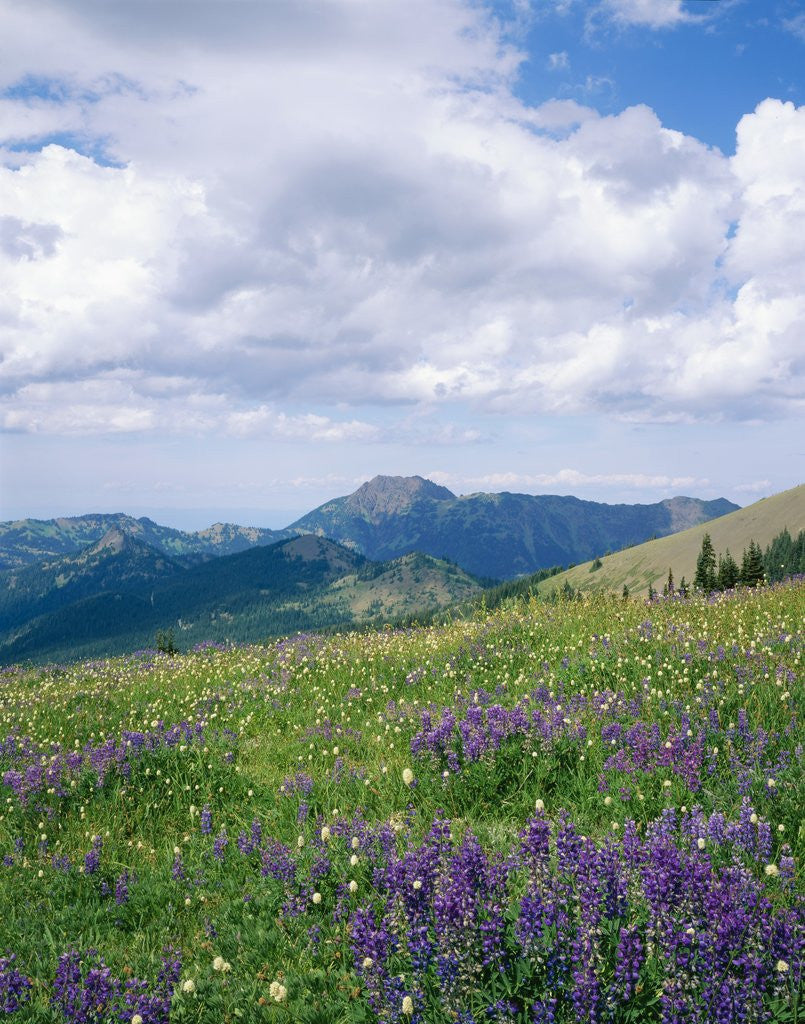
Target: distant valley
(396, 547)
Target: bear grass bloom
(278, 992)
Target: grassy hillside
(648, 563)
(589, 810)
(409, 586)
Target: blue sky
(252, 253)
(699, 75)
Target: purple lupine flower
(220, 845)
(83, 989)
(177, 868)
(205, 820)
(92, 860)
(122, 889)
(628, 961)
(15, 987)
(277, 862)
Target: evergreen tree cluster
(783, 557)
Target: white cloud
(558, 61)
(307, 427)
(755, 487)
(649, 13)
(319, 206)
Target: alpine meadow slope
(575, 811)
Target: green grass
(343, 709)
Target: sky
(255, 252)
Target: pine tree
(683, 587)
(668, 589)
(625, 594)
(705, 578)
(778, 556)
(752, 566)
(727, 571)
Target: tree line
(785, 556)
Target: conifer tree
(705, 578)
(752, 569)
(683, 587)
(727, 571)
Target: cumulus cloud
(274, 207)
(310, 426)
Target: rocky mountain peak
(389, 495)
(112, 542)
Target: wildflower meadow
(586, 810)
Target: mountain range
(397, 546)
(499, 536)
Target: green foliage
(752, 571)
(705, 578)
(728, 573)
(166, 642)
(785, 556)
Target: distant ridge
(27, 541)
(648, 563)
